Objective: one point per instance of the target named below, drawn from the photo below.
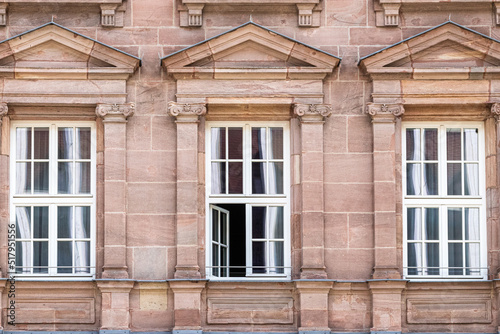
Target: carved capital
(187, 109)
(312, 111)
(4, 110)
(378, 109)
(110, 111)
(495, 111)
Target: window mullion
(249, 236)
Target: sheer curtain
(22, 151)
(413, 151)
(216, 166)
(23, 222)
(471, 147)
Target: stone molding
(384, 110)
(187, 109)
(115, 112)
(312, 112)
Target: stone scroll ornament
(110, 109)
(187, 109)
(495, 111)
(301, 110)
(385, 109)
(4, 109)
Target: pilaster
(384, 183)
(386, 305)
(115, 307)
(313, 295)
(493, 167)
(187, 119)
(187, 306)
(4, 180)
(115, 165)
(312, 118)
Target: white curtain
(216, 166)
(23, 227)
(471, 153)
(22, 152)
(414, 173)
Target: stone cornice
(312, 112)
(188, 110)
(115, 112)
(382, 110)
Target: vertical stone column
(313, 296)
(4, 181)
(187, 306)
(187, 118)
(115, 306)
(312, 117)
(492, 129)
(115, 165)
(384, 184)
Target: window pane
(64, 256)
(432, 257)
(218, 143)
(277, 257)
(218, 178)
(82, 256)
(224, 262)
(275, 178)
(235, 177)
(413, 144)
(23, 178)
(235, 147)
(413, 179)
(453, 144)
(223, 228)
(23, 257)
(83, 140)
(430, 144)
(82, 222)
(41, 143)
(414, 223)
(455, 259)
(82, 177)
(65, 143)
(455, 224)
(23, 222)
(258, 222)
(432, 224)
(471, 145)
(471, 179)
(41, 222)
(258, 257)
(276, 222)
(472, 258)
(454, 179)
(259, 143)
(276, 141)
(40, 256)
(215, 225)
(430, 179)
(215, 259)
(64, 221)
(471, 224)
(23, 143)
(65, 178)
(41, 177)
(258, 177)
(414, 258)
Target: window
(444, 200)
(53, 197)
(248, 200)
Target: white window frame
(442, 201)
(249, 199)
(52, 199)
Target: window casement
(248, 220)
(444, 208)
(52, 198)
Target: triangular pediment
(250, 50)
(448, 47)
(55, 51)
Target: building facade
(279, 166)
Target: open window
(248, 200)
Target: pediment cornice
(52, 51)
(293, 59)
(447, 51)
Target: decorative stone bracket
(312, 112)
(387, 14)
(495, 111)
(308, 17)
(3, 13)
(112, 15)
(187, 110)
(115, 112)
(379, 110)
(4, 109)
